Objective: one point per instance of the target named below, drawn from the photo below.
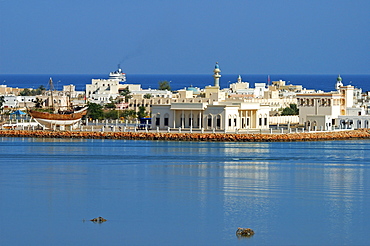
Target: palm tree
(2, 101)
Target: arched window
(209, 120)
(158, 120)
(218, 121)
(265, 120)
(260, 120)
(166, 116)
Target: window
(218, 121)
(166, 121)
(260, 121)
(157, 121)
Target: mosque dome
(191, 88)
(217, 68)
(339, 78)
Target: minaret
(339, 83)
(217, 75)
(239, 79)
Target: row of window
(321, 102)
(232, 122)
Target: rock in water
(98, 220)
(244, 232)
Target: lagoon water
(183, 193)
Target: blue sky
(185, 37)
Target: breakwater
(222, 137)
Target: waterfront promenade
(176, 136)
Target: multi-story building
(324, 109)
(214, 111)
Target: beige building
(5, 90)
(214, 112)
(323, 109)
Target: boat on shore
(60, 119)
(56, 117)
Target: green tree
(2, 101)
(26, 92)
(291, 110)
(126, 93)
(128, 114)
(110, 105)
(111, 114)
(38, 91)
(147, 96)
(142, 113)
(95, 111)
(164, 85)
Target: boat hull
(49, 120)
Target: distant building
(214, 111)
(323, 109)
(101, 91)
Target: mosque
(213, 112)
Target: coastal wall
(222, 137)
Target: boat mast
(51, 88)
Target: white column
(183, 119)
(174, 119)
(200, 120)
(191, 119)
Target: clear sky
(185, 37)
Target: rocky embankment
(222, 137)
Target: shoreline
(217, 137)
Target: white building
(101, 91)
(217, 115)
(12, 102)
(324, 109)
(211, 112)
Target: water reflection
(277, 189)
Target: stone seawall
(222, 137)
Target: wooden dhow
(53, 117)
(62, 118)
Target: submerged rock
(98, 220)
(244, 232)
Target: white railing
(292, 119)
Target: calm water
(183, 193)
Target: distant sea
(324, 82)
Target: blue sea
(183, 193)
(177, 81)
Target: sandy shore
(222, 137)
